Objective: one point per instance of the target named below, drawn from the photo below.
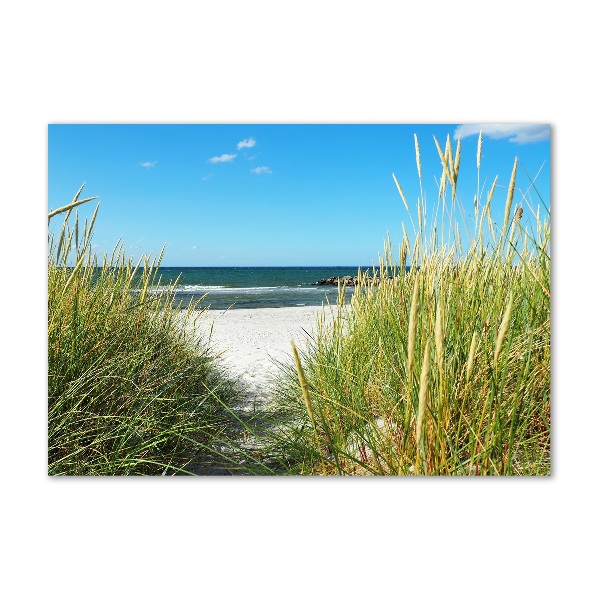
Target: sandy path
(252, 339)
(251, 342)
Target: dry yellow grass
(423, 389)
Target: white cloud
(249, 143)
(517, 133)
(207, 177)
(147, 165)
(260, 170)
(222, 158)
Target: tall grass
(442, 368)
(129, 391)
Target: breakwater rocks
(347, 280)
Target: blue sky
(274, 195)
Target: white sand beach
(252, 340)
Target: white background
(324, 62)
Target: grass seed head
(503, 329)
(457, 161)
(439, 337)
(401, 193)
(418, 155)
(412, 327)
(509, 196)
(423, 386)
(471, 355)
(303, 384)
(444, 158)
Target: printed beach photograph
(299, 299)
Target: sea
(221, 288)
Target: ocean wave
(203, 289)
(216, 290)
(197, 288)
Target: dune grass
(441, 369)
(129, 391)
